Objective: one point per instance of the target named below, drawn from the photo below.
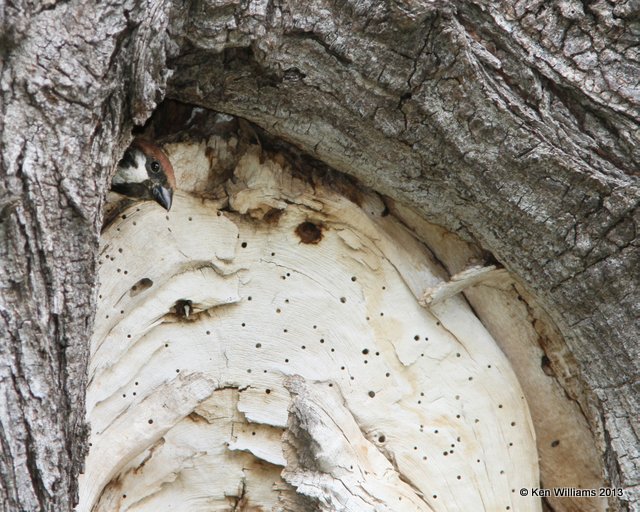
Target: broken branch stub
(306, 375)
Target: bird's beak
(163, 196)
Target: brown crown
(152, 150)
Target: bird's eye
(155, 166)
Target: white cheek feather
(135, 174)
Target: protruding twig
(461, 281)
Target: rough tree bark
(514, 125)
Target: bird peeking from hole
(145, 172)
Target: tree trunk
(68, 100)
(513, 125)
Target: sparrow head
(145, 172)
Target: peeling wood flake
(460, 281)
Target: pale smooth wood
(304, 369)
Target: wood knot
(309, 232)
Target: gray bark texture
(513, 124)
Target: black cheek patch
(127, 159)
